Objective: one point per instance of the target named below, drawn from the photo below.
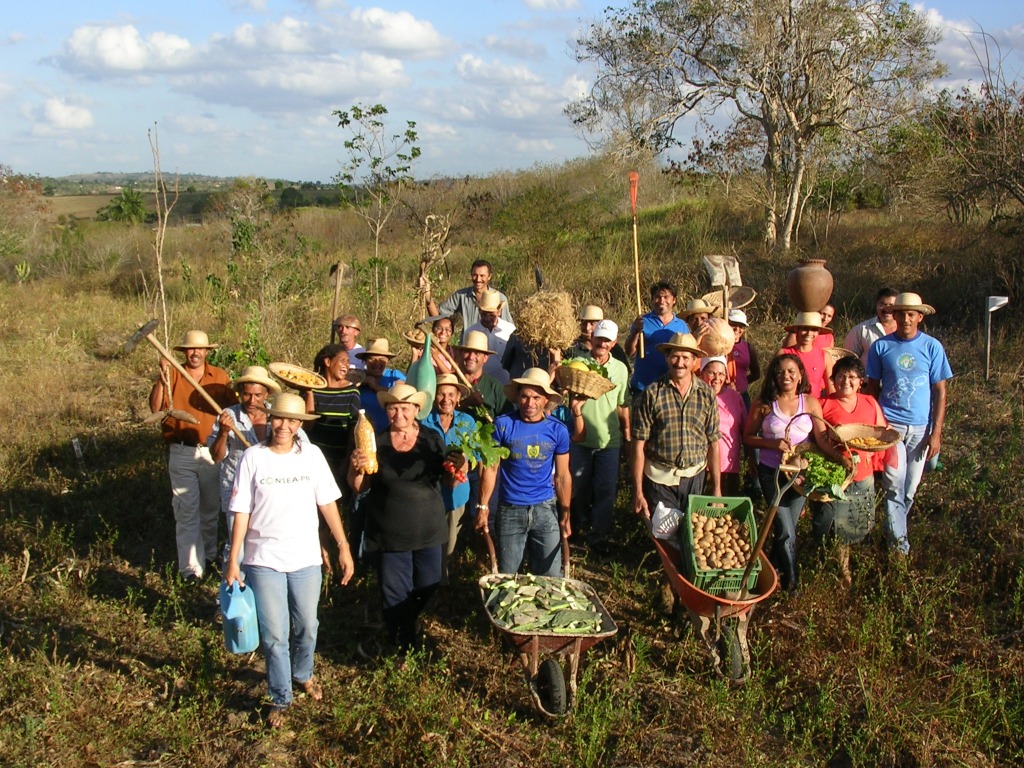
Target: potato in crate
(718, 535)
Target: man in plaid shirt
(675, 434)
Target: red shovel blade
(634, 183)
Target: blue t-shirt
(907, 369)
(463, 422)
(374, 411)
(652, 366)
(525, 476)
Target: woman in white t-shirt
(280, 485)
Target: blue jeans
(783, 555)
(900, 482)
(286, 608)
(531, 530)
(595, 473)
(407, 580)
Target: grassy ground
(109, 659)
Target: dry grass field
(109, 659)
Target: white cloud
(13, 39)
(396, 32)
(552, 5)
(121, 49)
(534, 146)
(58, 116)
(475, 69)
(437, 132)
(520, 47)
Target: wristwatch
(482, 506)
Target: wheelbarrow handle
(766, 526)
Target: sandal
(313, 689)
(277, 717)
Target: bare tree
(792, 68)
(163, 211)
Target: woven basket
(791, 464)
(296, 377)
(586, 383)
(851, 433)
(838, 353)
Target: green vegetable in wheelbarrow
(525, 604)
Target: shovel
(146, 332)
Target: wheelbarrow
(545, 676)
(721, 616)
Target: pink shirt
(732, 418)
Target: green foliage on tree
(128, 206)
(379, 165)
(787, 70)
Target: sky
(248, 87)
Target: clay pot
(809, 285)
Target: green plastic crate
(718, 580)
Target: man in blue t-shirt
(534, 478)
(907, 371)
(656, 327)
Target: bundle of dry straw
(547, 319)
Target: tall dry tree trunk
(163, 211)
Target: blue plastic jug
(238, 611)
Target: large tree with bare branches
(793, 69)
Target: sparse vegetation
(109, 659)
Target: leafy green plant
(479, 446)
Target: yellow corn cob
(366, 441)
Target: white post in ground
(994, 303)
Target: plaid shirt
(677, 429)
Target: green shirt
(601, 415)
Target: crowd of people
(681, 421)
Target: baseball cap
(606, 329)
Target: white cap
(738, 316)
(606, 329)
(706, 361)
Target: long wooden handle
(634, 184)
(460, 375)
(195, 384)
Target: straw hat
(696, 306)
(606, 329)
(256, 374)
(912, 301)
(475, 341)
(489, 301)
(683, 342)
(348, 321)
(289, 406)
(402, 393)
(198, 340)
(452, 381)
(738, 317)
(806, 320)
(376, 347)
(532, 377)
(591, 313)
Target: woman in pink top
(817, 364)
(782, 417)
(732, 417)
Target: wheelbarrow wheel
(551, 686)
(730, 650)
